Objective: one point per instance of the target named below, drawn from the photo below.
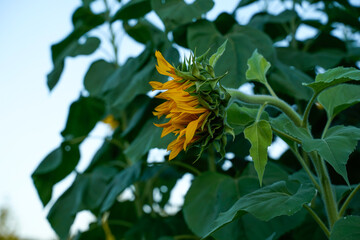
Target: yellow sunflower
(187, 116)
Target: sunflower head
(195, 104)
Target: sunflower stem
(348, 199)
(261, 99)
(318, 220)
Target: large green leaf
(289, 80)
(83, 20)
(96, 76)
(257, 67)
(347, 228)
(260, 136)
(242, 41)
(240, 117)
(175, 13)
(83, 116)
(119, 183)
(267, 203)
(338, 98)
(149, 137)
(333, 77)
(132, 9)
(87, 192)
(210, 194)
(282, 124)
(144, 31)
(335, 147)
(55, 167)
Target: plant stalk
(326, 190)
(261, 99)
(318, 220)
(347, 201)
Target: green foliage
(258, 67)
(335, 147)
(260, 136)
(223, 203)
(346, 228)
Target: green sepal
(215, 57)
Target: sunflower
(187, 116)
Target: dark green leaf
(335, 147)
(83, 20)
(87, 192)
(347, 228)
(119, 183)
(144, 31)
(132, 9)
(149, 137)
(175, 13)
(338, 98)
(95, 78)
(210, 194)
(333, 77)
(283, 124)
(289, 81)
(239, 117)
(266, 203)
(55, 167)
(242, 41)
(260, 136)
(83, 116)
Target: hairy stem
(347, 201)
(261, 99)
(318, 220)
(306, 168)
(305, 119)
(326, 190)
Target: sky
(32, 117)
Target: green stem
(347, 201)
(318, 220)
(304, 122)
(267, 85)
(326, 190)
(261, 99)
(306, 168)
(261, 109)
(326, 127)
(286, 135)
(112, 34)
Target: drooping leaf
(260, 136)
(175, 13)
(83, 20)
(333, 77)
(83, 116)
(242, 41)
(335, 147)
(55, 167)
(257, 67)
(338, 98)
(346, 228)
(240, 117)
(144, 31)
(266, 203)
(133, 9)
(87, 192)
